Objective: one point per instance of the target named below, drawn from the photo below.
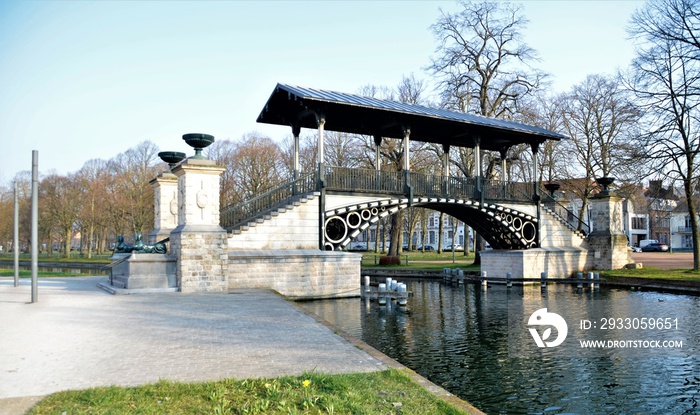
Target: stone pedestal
(607, 240)
(137, 272)
(198, 242)
(166, 205)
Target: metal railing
(241, 213)
(344, 179)
(363, 180)
(565, 213)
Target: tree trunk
(467, 241)
(66, 251)
(441, 229)
(394, 241)
(377, 235)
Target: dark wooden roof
(297, 106)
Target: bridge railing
(432, 185)
(497, 190)
(363, 180)
(240, 213)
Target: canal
(476, 343)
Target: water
(458, 337)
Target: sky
(82, 80)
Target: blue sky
(88, 79)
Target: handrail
(240, 213)
(363, 180)
(566, 214)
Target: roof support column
(408, 190)
(535, 192)
(504, 166)
(477, 168)
(377, 155)
(321, 121)
(445, 167)
(535, 172)
(296, 130)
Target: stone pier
(198, 242)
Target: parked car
(427, 248)
(636, 249)
(655, 247)
(457, 247)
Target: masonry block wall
(555, 234)
(297, 274)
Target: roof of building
(297, 106)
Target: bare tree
(483, 65)
(59, 196)
(665, 77)
(601, 119)
(131, 198)
(91, 219)
(256, 164)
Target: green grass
(4, 272)
(75, 257)
(386, 392)
(654, 273)
(430, 260)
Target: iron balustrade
(344, 179)
(566, 214)
(363, 180)
(497, 190)
(241, 213)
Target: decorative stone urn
(199, 142)
(605, 182)
(172, 158)
(551, 188)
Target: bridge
(504, 213)
(291, 238)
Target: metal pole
(15, 243)
(35, 224)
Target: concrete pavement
(77, 336)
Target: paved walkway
(77, 336)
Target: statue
(122, 248)
(139, 246)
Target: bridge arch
(502, 226)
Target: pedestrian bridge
(347, 201)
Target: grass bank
(75, 257)
(386, 392)
(651, 273)
(4, 272)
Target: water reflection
(458, 337)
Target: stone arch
(502, 227)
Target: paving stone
(77, 336)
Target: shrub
(389, 260)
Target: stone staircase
(286, 206)
(564, 222)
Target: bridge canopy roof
(299, 107)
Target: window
(687, 241)
(639, 223)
